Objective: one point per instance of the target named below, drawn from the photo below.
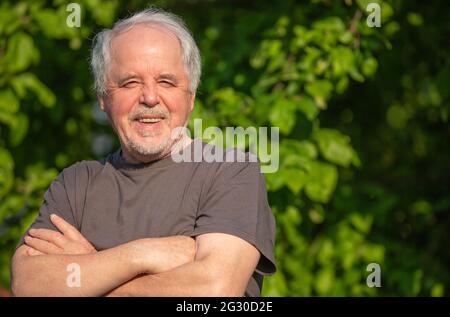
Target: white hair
(101, 51)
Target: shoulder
(226, 165)
(234, 160)
(81, 171)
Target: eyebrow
(170, 77)
(173, 78)
(126, 78)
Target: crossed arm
(210, 265)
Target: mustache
(146, 112)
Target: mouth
(149, 120)
(149, 123)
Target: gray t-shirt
(112, 202)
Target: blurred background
(363, 114)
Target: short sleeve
(236, 204)
(57, 200)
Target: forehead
(146, 44)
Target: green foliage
(362, 112)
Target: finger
(42, 245)
(49, 235)
(33, 252)
(65, 227)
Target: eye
(130, 84)
(166, 83)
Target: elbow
(18, 289)
(15, 291)
(19, 276)
(25, 281)
(24, 287)
(223, 287)
(221, 284)
(18, 292)
(23, 284)
(21, 288)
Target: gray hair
(101, 57)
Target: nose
(149, 95)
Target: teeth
(150, 120)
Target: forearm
(47, 275)
(192, 279)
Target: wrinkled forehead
(144, 41)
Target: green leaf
(324, 281)
(316, 214)
(373, 253)
(387, 11)
(346, 37)
(326, 252)
(9, 21)
(38, 177)
(8, 101)
(335, 147)
(319, 88)
(28, 81)
(7, 118)
(333, 24)
(437, 290)
(361, 222)
(53, 22)
(228, 101)
(300, 149)
(6, 172)
(275, 181)
(342, 85)
(415, 19)
(308, 107)
(364, 3)
(295, 179)
(355, 74)
(19, 129)
(342, 59)
(369, 66)
(293, 215)
(10, 202)
(322, 180)
(276, 285)
(20, 53)
(283, 116)
(50, 23)
(104, 12)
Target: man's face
(147, 91)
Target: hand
(156, 255)
(68, 241)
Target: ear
(192, 102)
(102, 102)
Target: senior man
(137, 223)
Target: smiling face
(147, 94)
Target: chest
(119, 209)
